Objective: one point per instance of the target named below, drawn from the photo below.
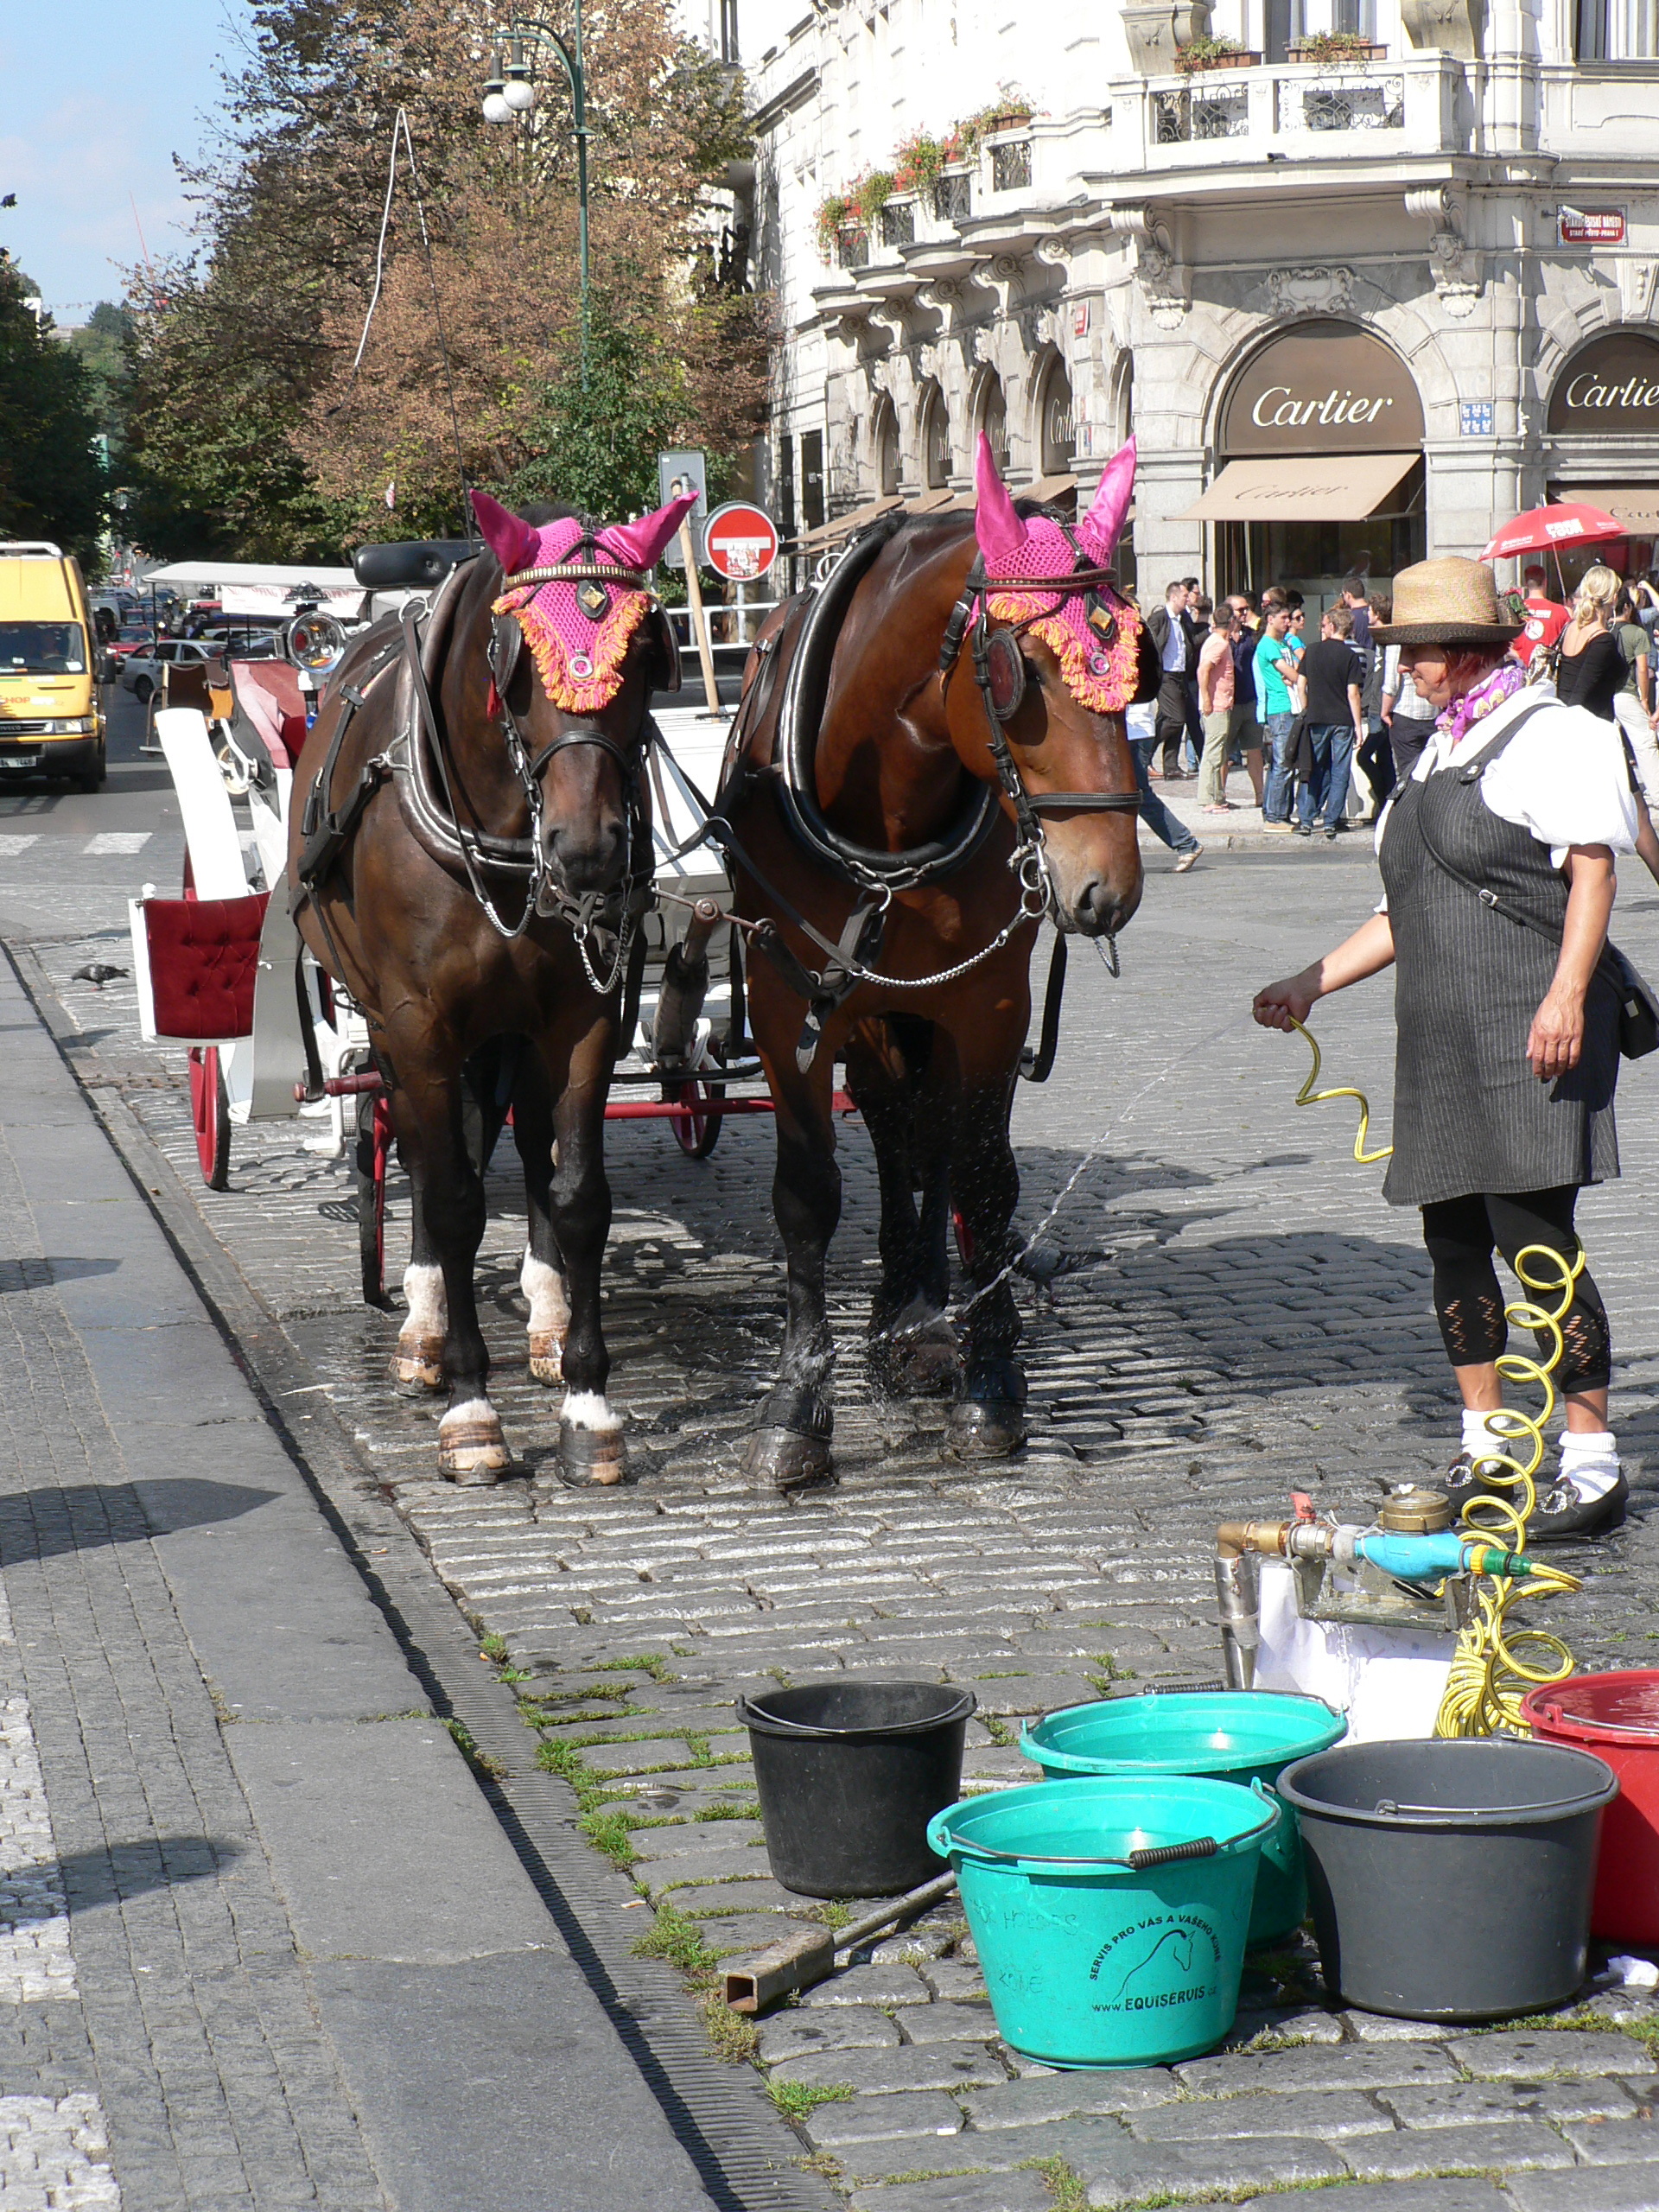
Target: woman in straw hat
(1508, 1046)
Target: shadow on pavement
(48, 1522)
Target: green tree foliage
(249, 429)
(52, 480)
(102, 343)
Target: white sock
(1590, 1461)
(1480, 1441)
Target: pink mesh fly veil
(1100, 672)
(579, 657)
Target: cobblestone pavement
(1223, 1310)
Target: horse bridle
(615, 910)
(1000, 671)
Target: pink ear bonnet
(578, 627)
(1094, 635)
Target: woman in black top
(1593, 671)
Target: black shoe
(1303, 828)
(1561, 1515)
(1331, 834)
(1463, 1482)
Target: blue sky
(94, 101)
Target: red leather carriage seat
(204, 955)
(268, 692)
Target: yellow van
(50, 722)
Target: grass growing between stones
(795, 2100)
(1066, 2186)
(644, 1662)
(676, 1938)
(494, 1770)
(608, 1830)
(746, 1808)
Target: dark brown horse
(470, 848)
(931, 755)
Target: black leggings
(1460, 1234)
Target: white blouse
(1565, 777)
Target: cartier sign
(1323, 388)
(1612, 385)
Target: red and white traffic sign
(740, 542)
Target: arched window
(933, 418)
(885, 439)
(1057, 433)
(994, 417)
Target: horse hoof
(472, 1451)
(417, 1366)
(789, 1462)
(983, 1428)
(546, 1357)
(590, 1458)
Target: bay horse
(469, 854)
(929, 755)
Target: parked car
(140, 669)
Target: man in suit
(1177, 653)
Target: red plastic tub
(1616, 1717)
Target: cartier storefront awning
(1292, 488)
(1635, 505)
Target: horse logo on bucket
(1166, 1959)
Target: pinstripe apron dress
(1469, 1114)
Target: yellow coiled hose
(1489, 1676)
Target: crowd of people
(1324, 722)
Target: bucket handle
(1162, 1854)
(1166, 1854)
(1387, 1806)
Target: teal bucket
(1090, 1959)
(1240, 1735)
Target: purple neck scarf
(1463, 713)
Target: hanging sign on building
(1323, 388)
(1612, 383)
(1590, 225)
(740, 542)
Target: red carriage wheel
(373, 1153)
(696, 1134)
(210, 1111)
(964, 1237)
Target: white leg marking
(428, 1314)
(469, 1409)
(550, 1308)
(589, 1409)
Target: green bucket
(1093, 1957)
(1240, 1735)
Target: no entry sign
(740, 542)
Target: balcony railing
(1308, 111)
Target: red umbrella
(1547, 529)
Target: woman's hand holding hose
(1367, 952)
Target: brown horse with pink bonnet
(930, 756)
(470, 852)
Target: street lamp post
(510, 90)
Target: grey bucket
(1451, 1880)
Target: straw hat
(1450, 602)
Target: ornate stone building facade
(1357, 306)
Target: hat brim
(1446, 633)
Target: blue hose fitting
(1429, 1559)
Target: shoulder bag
(1638, 1007)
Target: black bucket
(850, 1774)
(1451, 1880)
